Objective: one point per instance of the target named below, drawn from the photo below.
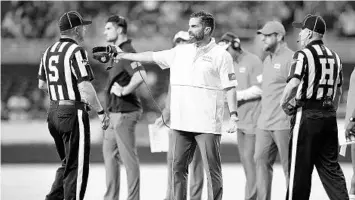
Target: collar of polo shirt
(204, 49)
(207, 47)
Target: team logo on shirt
(207, 58)
(277, 66)
(259, 78)
(242, 69)
(232, 77)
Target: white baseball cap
(181, 34)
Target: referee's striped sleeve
(41, 71)
(80, 66)
(297, 66)
(340, 69)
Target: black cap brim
(86, 22)
(297, 24)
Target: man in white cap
(196, 166)
(273, 123)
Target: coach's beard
(196, 38)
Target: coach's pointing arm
(161, 58)
(139, 57)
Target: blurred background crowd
(38, 19)
(28, 27)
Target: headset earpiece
(235, 44)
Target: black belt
(78, 104)
(315, 104)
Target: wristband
(234, 113)
(121, 92)
(101, 112)
(352, 119)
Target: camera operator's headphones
(235, 44)
(231, 40)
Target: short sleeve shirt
(122, 73)
(275, 72)
(63, 66)
(198, 77)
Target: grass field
(33, 181)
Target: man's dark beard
(271, 48)
(198, 37)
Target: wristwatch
(233, 113)
(352, 119)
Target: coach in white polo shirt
(201, 73)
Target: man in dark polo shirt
(125, 109)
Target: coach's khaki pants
(196, 173)
(268, 144)
(119, 145)
(184, 145)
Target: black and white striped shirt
(63, 66)
(319, 70)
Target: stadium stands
(29, 26)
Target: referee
(315, 81)
(66, 74)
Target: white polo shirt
(198, 77)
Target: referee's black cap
(70, 20)
(312, 22)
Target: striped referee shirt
(319, 70)
(63, 66)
